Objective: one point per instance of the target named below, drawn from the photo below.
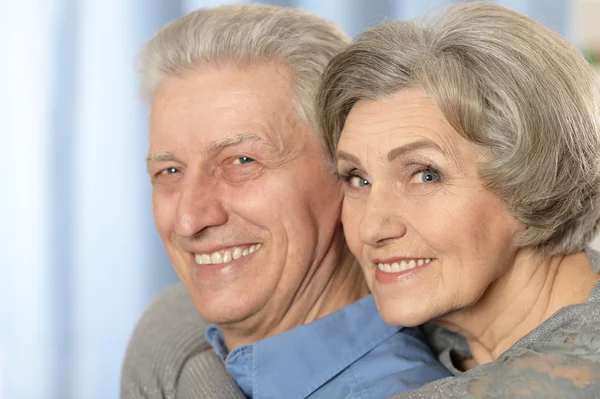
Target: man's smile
(226, 255)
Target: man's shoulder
(171, 316)
(173, 302)
(168, 334)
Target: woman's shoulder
(522, 373)
(566, 364)
(560, 358)
(572, 329)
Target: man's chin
(224, 309)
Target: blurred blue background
(80, 256)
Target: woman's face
(430, 238)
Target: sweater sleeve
(524, 373)
(204, 376)
(559, 359)
(168, 356)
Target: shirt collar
(301, 360)
(215, 338)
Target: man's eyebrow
(213, 146)
(414, 146)
(218, 145)
(160, 156)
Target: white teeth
(403, 265)
(219, 258)
(216, 258)
(237, 253)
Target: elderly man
(247, 205)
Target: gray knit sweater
(169, 358)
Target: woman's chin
(394, 313)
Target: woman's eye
(357, 181)
(426, 176)
(242, 160)
(353, 179)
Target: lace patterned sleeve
(565, 365)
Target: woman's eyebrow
(413, 146)
(342, 155)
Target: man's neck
(336, 281)
(345, 286)
(527, 295)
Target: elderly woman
(470, 148)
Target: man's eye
(169, 171)
(426, 176)
(242, 160)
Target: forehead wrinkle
(406, 117)
(443, 140)
(450, 142)
(432, 120)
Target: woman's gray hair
(521, 93)
(246, 34)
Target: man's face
(243, 198)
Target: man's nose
(200, 206)
(382, 220)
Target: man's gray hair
(519, 91)
(243, 34)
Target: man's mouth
(226, 256)
(403, 265)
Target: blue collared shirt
(349, 354)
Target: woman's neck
(530, 291)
